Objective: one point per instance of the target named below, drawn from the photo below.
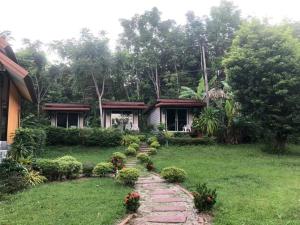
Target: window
(67, 120)
(122, 120)
(176, 119)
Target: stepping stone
(165, 200)
(149, 181)
(170, 218)
(168, 208)
(163, 192)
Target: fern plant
(208, 122)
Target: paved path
(163, 203)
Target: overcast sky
(48, 20)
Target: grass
(254, 188)
(83, 201)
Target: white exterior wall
(53, 120)
(107, 114)
(190, 118)
(81, 121)
(154, 117)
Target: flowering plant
(204, 198)
(132, 202)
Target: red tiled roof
(66, 107)
(123, 105)
(179, 102)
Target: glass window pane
(62, 120)
(182, 118)
(4, 84)
(73, 120)
(122, 119)
(171, 119)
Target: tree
(90, 59)
(263, 70)
(33, 58)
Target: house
(123, 115)
(67, 115)
(15, 84)
(176, 114)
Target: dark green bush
(12, 177)
(155, 144)
(153, 151)
(87, 168)
(128, 176)
(191, 141)
(135, 146)
(130, 139)
(86, 136)
(27, 142)
(70, 167)
(103, 169)
(173, 174)
(204, 198)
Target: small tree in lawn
(263, 69)
(90, 59)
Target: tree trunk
(99, 95)
(157, 83)
(205, 76)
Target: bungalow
(176, 114)
(67, 115)
(123, 115)
(15, 84)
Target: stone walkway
(163, 203)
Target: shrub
(150, 166)
(155, 144)
(27, 142)
(118, 160)
(132, 202)
(49, 168)
(143, 157)
(86, 136)
(103, 169)
(128, 176)
(34, 178)
(129, 139)
(87, 168)
(142, 137)
(130, 151)
(135, 146)
(69, 166)
(57, 169)
(173, 174)
(152, 139)
(204, 198)
(12, 176)
(153, 151)
(191, 141)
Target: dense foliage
(173, 174)
(263, 70)
(204, 198)
(128, 176)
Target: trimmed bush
(142, 137)
(49, 168)
(132, 202)
(103, 169)
(130, 139)
(191, 141)
(150, 166)
(87, 168)
(143, 157)
(128, 176)
(27, 143)
(155, 144)
(66, 167)
(204, 198)
(118, 160)
(12, 177)
(173, 174)
(153, 151)
(135, 146)
(130, 151)
(86, 136)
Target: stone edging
(126, 220)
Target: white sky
(48, 20)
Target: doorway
(4, 85)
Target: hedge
(191, 141)
(86, 136)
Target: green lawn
(83, 201)
(253, 188)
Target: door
(171, 119)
